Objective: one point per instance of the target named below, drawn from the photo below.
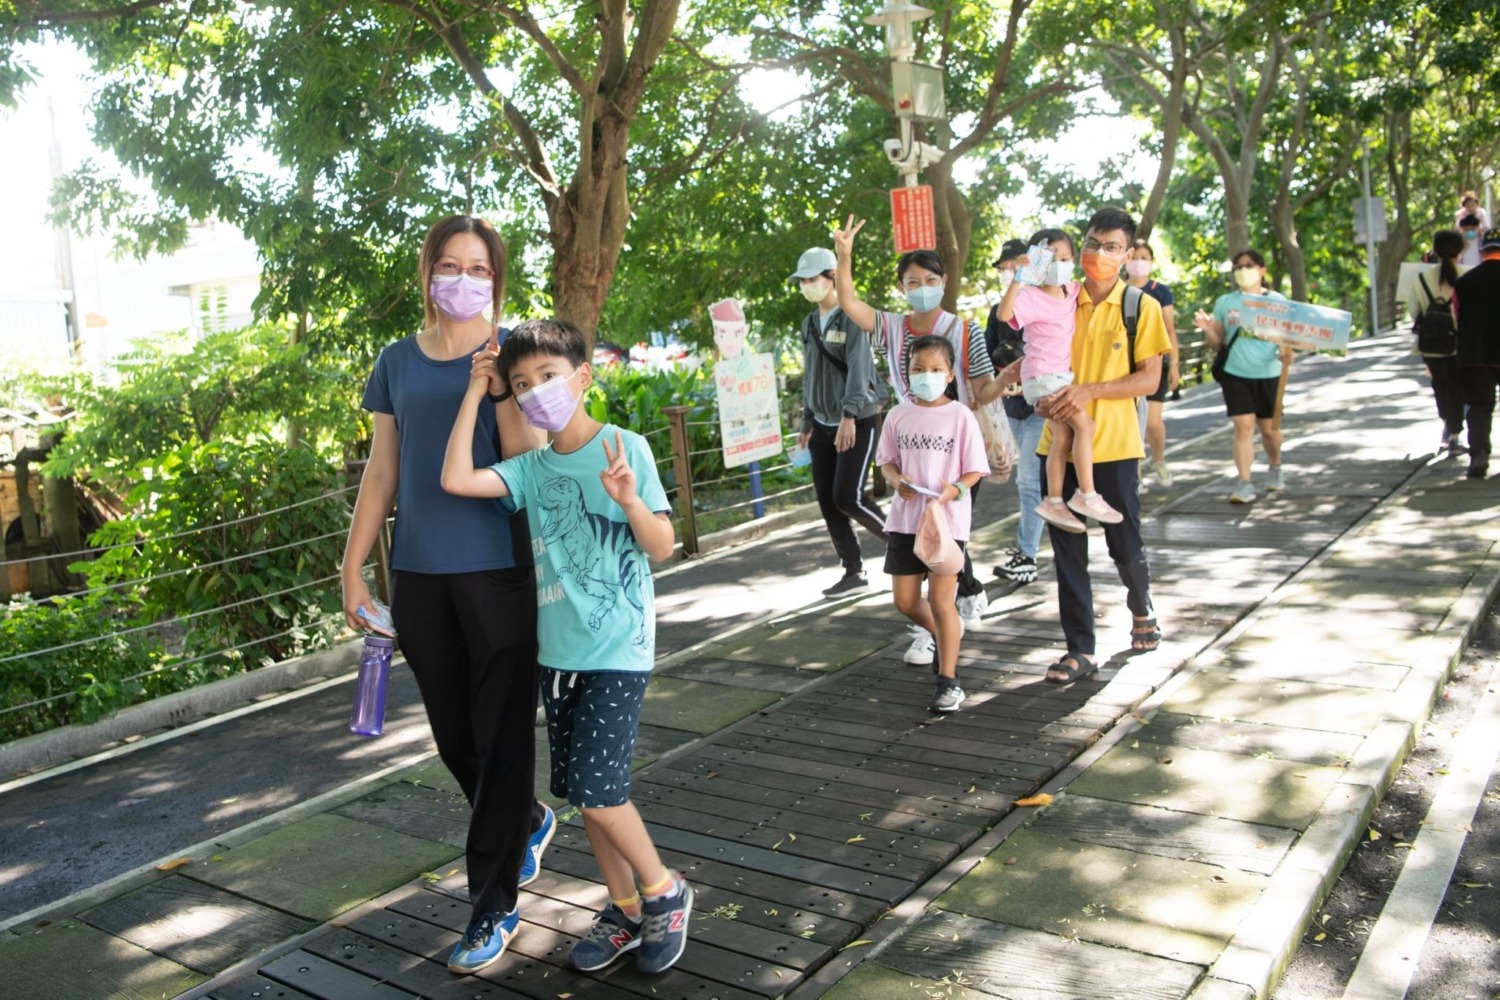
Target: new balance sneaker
(1244, 492)
(849, 582)
(1057, 514)
(531, 863)
(664, 929)
(922, 649)
(1094, 505)
(612, 935)
(970, 608)
(946, 697)
(1275, 481)
(1018, 569)
(484, 941)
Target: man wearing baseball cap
(840, 399)
(1476, 302)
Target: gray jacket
(829, 393)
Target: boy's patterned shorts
(592, 719)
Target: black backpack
(1437, 335)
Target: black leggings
(839, 482)
(1448, 392)
(470, 640)
(1479, 392)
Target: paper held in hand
(1299, 325)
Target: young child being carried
(932, 442)
(596, 510)
(1046, 315)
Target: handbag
(934, 544)
(999, 443)
(1222, 357)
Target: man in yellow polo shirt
(1104, 384)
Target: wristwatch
(499, 397)
(850, 416)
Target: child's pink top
(933, 446)
(1046, 323)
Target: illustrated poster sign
(749, 413)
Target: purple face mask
(549, 405)
(460, 296)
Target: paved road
(65, 833)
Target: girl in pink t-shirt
(1047, 315)
(930, 444)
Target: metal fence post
(683, 466)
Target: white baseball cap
(813, 263)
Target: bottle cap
(380, 640)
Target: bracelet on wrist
(961, 489)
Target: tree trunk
(955, 227)
(1171, 132)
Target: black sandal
(1144, 635)
(1081, 667)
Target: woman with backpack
(920, 277)
(1430, 303)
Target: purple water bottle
(368, 717)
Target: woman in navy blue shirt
(464, 598)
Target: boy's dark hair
(928, 260)
(1471, 220)
(931, 342)
(1254, 255)
(1051, 236)
(555, 337)
(1109, 217)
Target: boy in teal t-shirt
(597, 511)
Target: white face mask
(1247, 277)
(815, 291)
(1138, 268)
(928, 386)
(1060, 272)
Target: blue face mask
(925, 298)
(928, 386)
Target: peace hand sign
(618, 477)
(843, 239)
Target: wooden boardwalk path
(803, 824)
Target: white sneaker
(1163, 473)
(970, 608)
(923, 648)
(1275, 481)
(1244, 492)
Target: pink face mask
(1138, 268)
(459, 296)
(549, 405)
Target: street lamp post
(1488, 173)
(916, 88)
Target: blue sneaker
(664, 929)
(612, 935)
(484, 941)
(531, 863)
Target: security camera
(913, 157)
(925, 155)
(893, 151)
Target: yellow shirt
(1100, 355)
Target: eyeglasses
(1107, 249)
(448, 269)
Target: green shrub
(91, 670)
(260, 583)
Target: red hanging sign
(912, 218)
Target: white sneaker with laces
(1244, 492)
(1163, 473)
(970, 608)
(923, 648)
(946, 697)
